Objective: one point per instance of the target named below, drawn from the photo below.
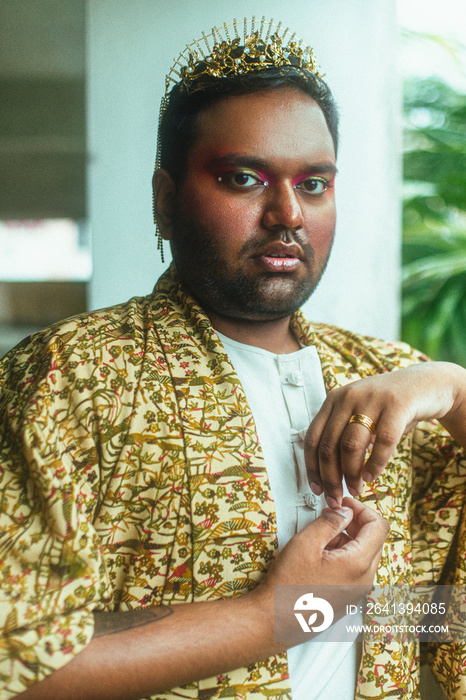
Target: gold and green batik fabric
(131, 476)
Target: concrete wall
(130, 48)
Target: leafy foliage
(434, 220)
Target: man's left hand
(395, 402)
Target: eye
(242, 179)
(313, 185)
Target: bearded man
(167, 462)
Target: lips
(280, 257)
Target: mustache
(287, 237)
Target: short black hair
(178, 126)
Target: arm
(396, 402)
(455, 419)
(138, 653)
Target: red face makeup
(255, 215)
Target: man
(138, 516)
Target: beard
(206, 274)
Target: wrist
(454, 420)
(260, 607)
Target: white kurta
(285, 392)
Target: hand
(322, 554)
(396, 402)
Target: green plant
(434, 220)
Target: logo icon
(307, 603)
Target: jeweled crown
(218, 55)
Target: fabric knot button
(295, 378)
(310, 500)
(307, 499)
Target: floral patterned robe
(131, 475)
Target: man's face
(254, 216)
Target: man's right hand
(323, 554)
(139, 653)
(342, 547)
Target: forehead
(284, 124)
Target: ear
(163, 189)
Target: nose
(283, 208)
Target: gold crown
(231, 57)
(228, 57)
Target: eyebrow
(246, 161)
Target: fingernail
(367, 476)
(343, 511)
(352, 491)
(332, 503)
(316, 489)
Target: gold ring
(363, 420)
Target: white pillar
(131, 46)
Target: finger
(367, 528)
(311, 446)
(362, 513)
(328, 526)
(354, 443)
(339, 541)
(329, 458)
(390, 428)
